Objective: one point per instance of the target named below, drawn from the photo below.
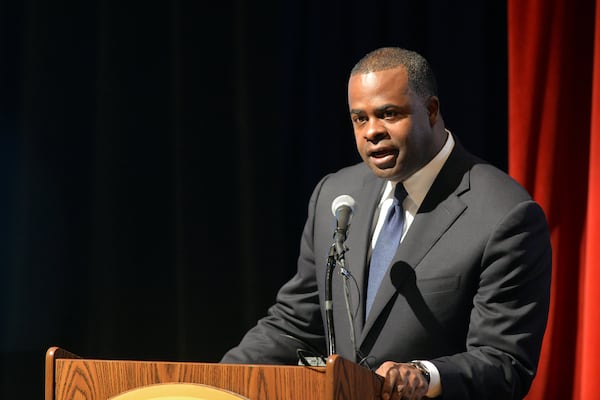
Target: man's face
(392, 126)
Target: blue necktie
(387, 244)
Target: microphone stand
(331, 263)
(336, 256)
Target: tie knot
(400, 192)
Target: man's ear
(433, 109)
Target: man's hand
(402, 382)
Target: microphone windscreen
(340, 201)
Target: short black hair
(420, 75)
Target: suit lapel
(440, 208)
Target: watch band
(422, 368)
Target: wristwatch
(422, 368)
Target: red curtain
(554, 151)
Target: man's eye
(389, 114)
(359, 119)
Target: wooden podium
(71, 377)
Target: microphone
(342, 208)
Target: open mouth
(384, 158)
(384, 153)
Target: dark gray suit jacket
(468, 288)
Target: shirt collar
(418, 184)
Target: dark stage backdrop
(156, 158)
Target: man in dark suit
(460, 310)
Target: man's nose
(375, 130)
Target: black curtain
(156, 158)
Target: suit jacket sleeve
(295, 321)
